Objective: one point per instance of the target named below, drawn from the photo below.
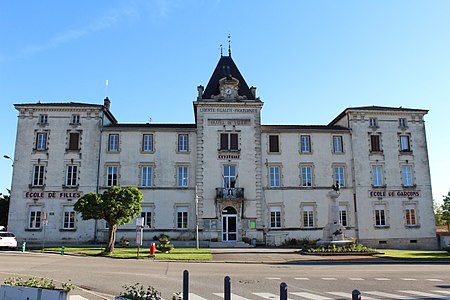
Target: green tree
(446, 210)
(4, 209)
(438, 214)
(117, 206)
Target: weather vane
(221, 50)
(229, 45)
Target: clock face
(228, 91)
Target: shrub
(333, 248)
(38, 282)
(138, 292)
(164, 244)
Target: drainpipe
(97, 188)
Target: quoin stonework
(239, 180)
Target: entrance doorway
(229, 224)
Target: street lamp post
(7, 157)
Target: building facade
(228, 175)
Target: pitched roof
(376, 108)
(224, 67)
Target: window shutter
(223, 141)
(273, 143)
(74, 137)
(234, 141)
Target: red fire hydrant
(152, 249)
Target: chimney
(107, 103)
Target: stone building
(237, 179)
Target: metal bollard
(356, 295)
(283, 291)
(227, 288)
(185, 285)
(62, 250)
(24, 244)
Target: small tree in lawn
(117, 206)
(446, 210)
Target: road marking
(356, 278)
(233, 296)
(301, 278)
(193, 296)
(311, 296)
(382, 279)
(329, 278)
(408, 279)
(422, 294)
(349, 295)
(435, 280)
(387, 295)
(77, 297)
(267, 295)
(442, 292)
(273, 278)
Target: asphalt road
(102, 278)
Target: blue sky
(309, 60)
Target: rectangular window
(375, 145)
(274, 177)
(69, 218)
(404, 143)
(229, 141)
(113, 143)
(147, 215)
(305, 144)
(112, 176)
(274, 143)
(337, 144)
(182, 218)
(146, 176)
(183, 176)
(407, 175)
(71, 175)
(183, 143)
(38, 175)
(380, 215)
(343, 215)
(377, 176)
(275, 217)
(41, 141)
(75, 119)
(34, 221)
(306, 176)
(373, 122)
(410, 215)
(308, 216)
(74, 141)
(402, 123)
(43, 119)
(147, 143)
(339, 175)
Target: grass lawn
(414, 255)
(131, 252)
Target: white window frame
(38, 175)
(343, 215)
(147, 214)
(75, 119)
(407, 176)
(306, 176)
(380, 215)
(113, 142)
(41, 141)
(274, 176)
(373, 122)
(278, 143)
(229, 138)
(182, 217)
(35, 217)
(377, 175)
(308, 215)
(69, 219)
(305, 144)
(339, 175)
(183, 176)
(183, 142)
(275, 217)
(338, 144)
(147, 143)
(402, 123)
(71, 175)
(43, 119)
(112, 176)
(147, 176)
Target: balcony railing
(230, 193)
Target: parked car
(8, 240)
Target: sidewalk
(285, 256)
